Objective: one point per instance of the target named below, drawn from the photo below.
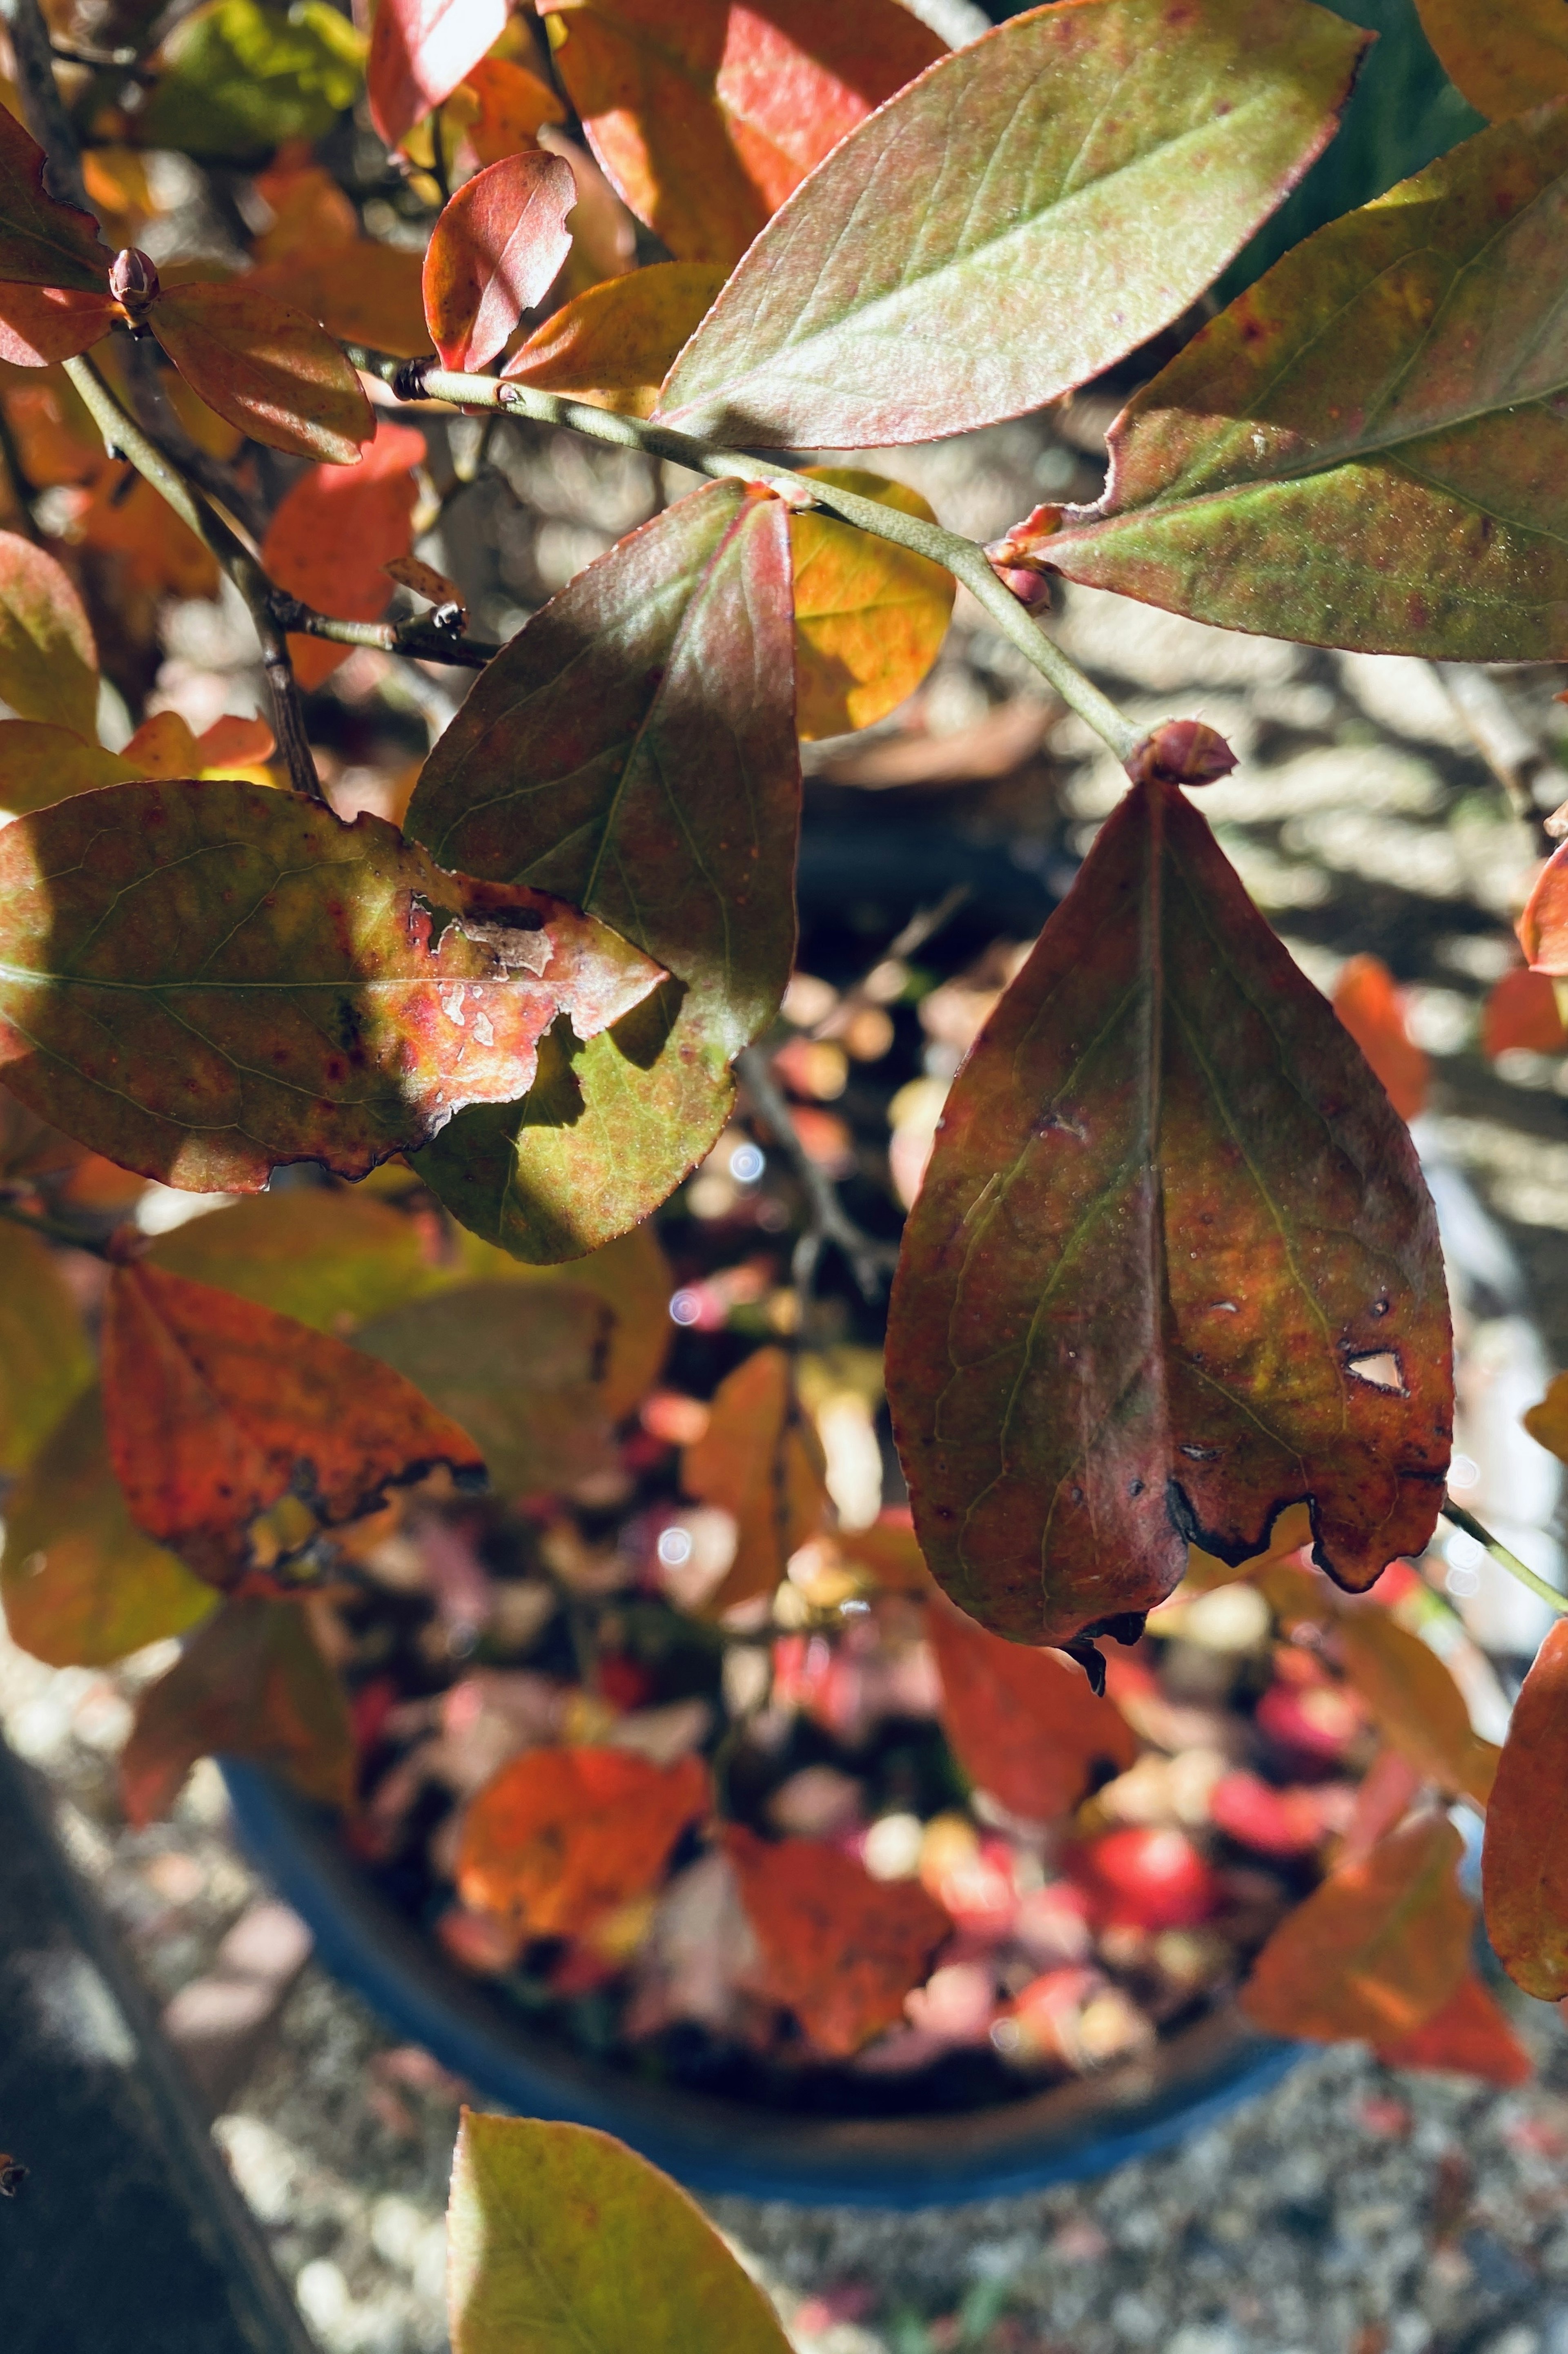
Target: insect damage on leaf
(1170, 1230)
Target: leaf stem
(54, 1230)
(420, 379)
(1501, 1556)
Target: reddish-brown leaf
(420, 51)
(203, 980)
(512, 106)
(1377, 1949)
(1524, 1860)
(705, 113)
(496, 251)
(40, 324)
(215, 1407)
(1372, 1009)
(1470, 2036)
(561, 1837)
(1173, 1266)
(252, 1682)
(49, 663)
(335, 530)
(1023, 1724)
(270, 370)
(760, 1460)
(1543, 927)
(362, 294)
(614, 344)
(1523, 1011)
(1418, 1706)
(838, 1949)
(45, 242)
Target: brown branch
(423, 638)
(868, 1260)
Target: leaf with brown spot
(82, 1585)
(1372, 1009)
(420, 51)
(496, 251)
(838, 1949)
(1377, 1948)
(561, 1837)
(1171, 1240)
(870, 617)
(1470, 2036)
(49, 663)
(252, 1682)
(201, 981)
(1504, 56)
(1524, 1858)
(268, 369)
(215, 1407)
(1418, 1706)
(333, 531)
(1023, 1724)
(760, 1461)
(1365, 448)
(45, 242)
(614, 346)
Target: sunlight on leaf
(335, 530)
(420, 51)
(496, 251)
(870, 617)
(270, 370)
(614, 344)
(760, 1461)
(561, 1837)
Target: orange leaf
(252, 1683)
(1470, 2036)
(870, 617)
(39, 325)
(1523, 1011)
(1525, 1859)
(1504, 56)
(333, 533)
(496, 251)
(513, 106)
(1372, 1010)
(1023, 1724)
(1418, 1706)
(1547, 1421)
(615, 344)
(1543, 927)
(760, 1460)
(560, 1837)
(268, 369)
(1377, 1948)
(420, 51)
(362, 293)
(838, 1949)
(309, 211)
(39, 764)
(706, 114)
(157, 552)
(217, 1407)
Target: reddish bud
(1180, 752)
(133, 280)
(1016, 557)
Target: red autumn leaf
(268, 369)
(45, 242)
(252, 1682)
(561, 1837)
(1524, 1860)
(1543, 927)
(420, 51)
(838, 1949)
(759, 1459)
(1378, 1948)
(40, 324)
(266, 983)
(1173, 1266)
(513, 106)
(1372, 1010)
(1523, 1011)
(1022, 1724)
(334, 531)
(215, 1407)
(496, 251)
(1272, 1821)
(1469, 2035)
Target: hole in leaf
(1382, 1371)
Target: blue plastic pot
(1061, 2136)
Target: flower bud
(133, 280)
(1180, 752)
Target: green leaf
(82, 1585)
(43, 242)
(561, 2241)
(49, 663)
(331, 1260)
(45, 1360)
(237, 78)
(203, 980)
(634, 746)
(1366, 449)
(1019, 218)
(1173, 1266)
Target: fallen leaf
(46, 242)
(82, 1585)
(1348, 455)
(45, 1360)
(1524, 1858)
(760, 1461)
(1173, 1266)
(496, 251)
(511, 107)
(1470, 2036)
(669, 801)
(40, 764)
(838, 1949)
(268, 369)
(1023, 1724)
(1504, 56)
(215, 1407)
(902, 294)
(252, 1682)
(420, 51)
(379, 993)
(1418, 1707)
(706, 114)
(1377, 1949)
(614, 346)
(49, 663)
(333, 531)
(1521, 1010)
(562, 2241)
(1372, 1009)
(561, 1837)
(870, 617)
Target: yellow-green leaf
(615, 344)
(329, 1258)
(870, 617)
(40, 764)
(1502, 55)
(49, 663)
(44, 1357)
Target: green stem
(1501, 1556)
(963, 558)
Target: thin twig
(923, 925)
(1505, 744)
(54, 1230)
(41, 102)
(1501, 1556)
(420, 638)
(868, 1260)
